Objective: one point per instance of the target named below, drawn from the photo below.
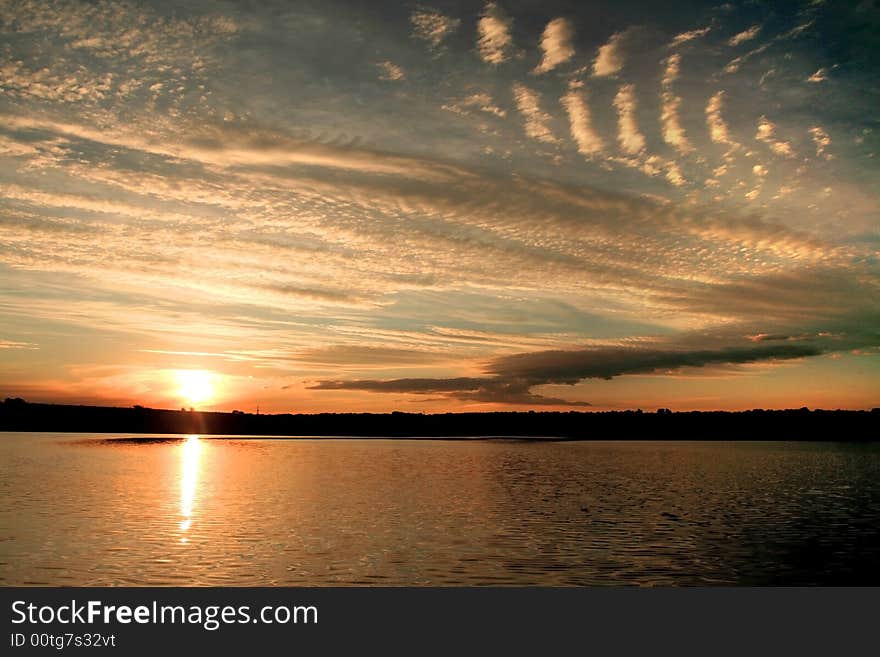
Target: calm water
(85, 510)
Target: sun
(195, 386)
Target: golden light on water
(189, 473)
(195, 386)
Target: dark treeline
(800, 424)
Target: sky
(308, 206)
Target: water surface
(83, 509)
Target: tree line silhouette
(794, 424)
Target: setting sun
(195, 386)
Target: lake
(89, 509)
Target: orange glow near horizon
(851, 378)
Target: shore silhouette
(662, 424)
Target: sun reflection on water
(189, 473)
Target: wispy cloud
(736, 63)
(797, 30)
(480, 101)
(580, 123)
(570, 367)
(718, 130)
(745, 35)
(767, 134)
(684, 37)
(528, 102)
(719, 133)
(556, 45)
(228, 146)
(766, 130)
(494, 41)
(673, 133)
(674, 174)
(433, 27)
(390, 71)
(822, 141)
(765, 77)
(631, 140)
(760, 173)
(609, 59)
(819, 76)
(13, 344)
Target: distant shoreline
(796, 424)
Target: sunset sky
(327, 206)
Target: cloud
(652, 166)
(770, 337)
(480, 101)
(479, 390)
(718, 130)
(126, 31)
(760, 172)
(274, 239)
(684, 37)
(101, 54)
(822, 142)
(365, 355)
(797, 30)
(819, 76)
(431, 26)
(767, 134)
(673, 133)
(766, 130)
(12, 344)
(513, 377)
(390, 71)
(556, 45)
(494, 40)
(588, 142)
(234, 146)
(609, 59)
(745, 35)
(834, 297)
(570, 367)
(674, 174)
(631, 140)
(736, 63)
(782, 148)
(423, 386)
(766, 76)
(528, 102)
